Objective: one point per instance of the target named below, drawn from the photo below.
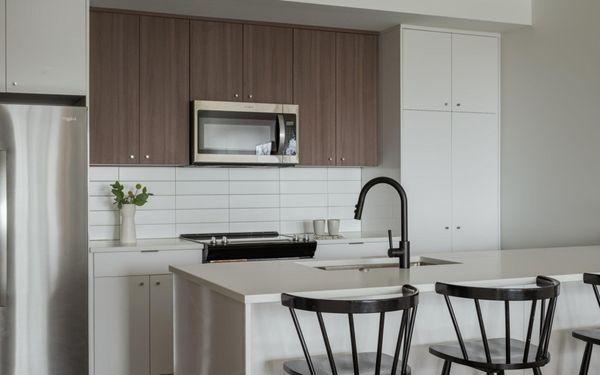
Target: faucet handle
(390, 238)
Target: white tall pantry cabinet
(450, 135)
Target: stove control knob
(306, 237)
(213, 240)
(296, 238)
(224, 240)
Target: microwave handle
(281, 140)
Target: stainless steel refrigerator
(43, 240)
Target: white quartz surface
(144, 245)
(257, 282)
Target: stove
(252, 246)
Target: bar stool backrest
(546, 290)
(407, 303)
(594, 281)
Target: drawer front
(352, 250)
(143, 262)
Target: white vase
(128, 224)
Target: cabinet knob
(458, 104)
(330, 159)
(343, 159)
(250, 96)
(15, 83)
(446, 104)
(446, 228)
(236, 96)
(158, 283)
(458, 228)
(142, 283)
(131, 156)
(147, 156)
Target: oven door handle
(281, 131)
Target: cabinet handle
(142, 283)
(131, 156)
(446, 228)
(330, 159)
(458, 228)
(147, 156)
(250, 96)
(458, 104)
(445, 104)
(15, 83)
(236, 96)
(158, 283)
(343, 159)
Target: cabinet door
(121, 321)
(114, 88)
(426, 177)
(356, 99)
(2, 45)
(268, 55)
(46, 45)
(475, 181)
(216, 60)
(164, 90)
(426, 70)
(161, 324)
(474, 73)
(314, 92)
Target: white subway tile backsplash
(342, 199)
(303, 213)
(304, 200)
(253, 201)
(254, 174)
(186, 202)
(147, 173)
(201, 174)
(201, 228)
(202, 216)
(257, 226)
(343, 174)
(254, 187)
(209, 199)
(202, 187)
(294, 174)
(337, 187)
(254, 214)
(104, 174)
(303, 187)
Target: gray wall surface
(551, 127)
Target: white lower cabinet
(132, 311)
(121, 325)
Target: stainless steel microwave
(245, 133)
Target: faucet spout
(403, 250)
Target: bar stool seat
(366, 365)
(588, 335)
(477, 358)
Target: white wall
(204, 200)
(551, 127)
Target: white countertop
(257, 282)
(144, 245)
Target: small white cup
(319, 226)
(333, 226)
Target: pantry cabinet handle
(141, 283)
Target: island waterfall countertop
(259, 282)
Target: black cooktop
(252, 246)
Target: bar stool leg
(587, 356)
(446, 368)
(536, 371)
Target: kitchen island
(229, 320)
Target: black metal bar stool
(496, 355)
(591, 337)
(355, 363)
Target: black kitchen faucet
(403, 250)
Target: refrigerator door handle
(3, 231)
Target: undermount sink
(365, 266)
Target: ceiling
(296, 13)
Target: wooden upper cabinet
(268, 55)
(216, 61)
(114, 88)
(164, 91)
(356, 99)
(314, 92)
